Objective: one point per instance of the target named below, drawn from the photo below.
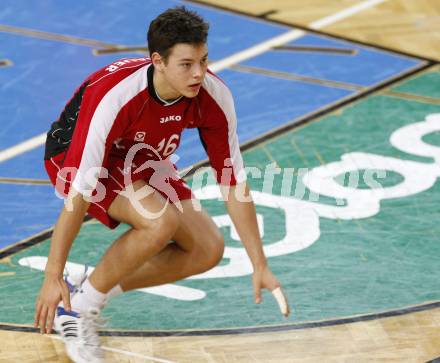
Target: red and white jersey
(117, 108)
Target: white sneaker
(75, 281)
(79, 334)
(78, 331)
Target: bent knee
(214, 249)
(160, 229)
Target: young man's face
(184, 71)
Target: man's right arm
(54, 289)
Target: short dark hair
(176, 25)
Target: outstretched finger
(65, 295)
(37, 313)
(43, 318)
(257, 292)
(281, 299)
(50, 318)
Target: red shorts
(114, 184)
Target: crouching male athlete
(143, 102)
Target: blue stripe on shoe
(62, 311)
(69, 285)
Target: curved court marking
(124, 352)
(398, 312)
(251, 52)
(248, 330)
(170, 290)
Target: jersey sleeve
(102, 118)
(219, 135)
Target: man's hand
(54, 290)
(263, 278)
(244, 216)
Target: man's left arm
(219, 137)
(242, 211)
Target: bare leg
(143, 257)
(133, 248)
(198, 247)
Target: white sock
(115, 291)
(87, 298)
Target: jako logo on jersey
(170, 118)
(140, 136)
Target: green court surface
(355, 250)
(426, 85)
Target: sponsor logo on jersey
(139, 136)
(170, 118)
(116, 65)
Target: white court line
(22, 147)
(171, 291)
(251, 52)
(328, 20)
(291, 35)
(256, 50)
(124, 352)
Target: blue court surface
(46, 69)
